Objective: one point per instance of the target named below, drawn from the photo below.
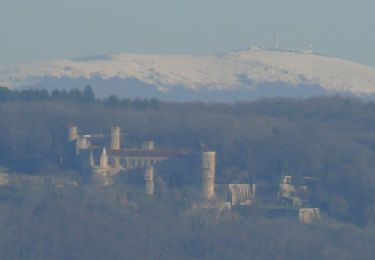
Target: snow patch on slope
(229, 71)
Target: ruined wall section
(149, 180)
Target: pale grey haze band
(44, 29)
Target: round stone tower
(115, 138)
(208, 171)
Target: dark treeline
(74, 95)
(93, 223)
(332, 139)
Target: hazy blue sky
(41, 29)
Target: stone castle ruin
(91, 155)
(237, 195)
(103, 159)
(293, 193)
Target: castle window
(207, 164)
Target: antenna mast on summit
(275, 41)
(307, 48)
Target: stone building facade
(104, 161)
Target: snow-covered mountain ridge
(228, 71)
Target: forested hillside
(332, 139)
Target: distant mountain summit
(229, 76)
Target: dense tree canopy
(332, 139)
